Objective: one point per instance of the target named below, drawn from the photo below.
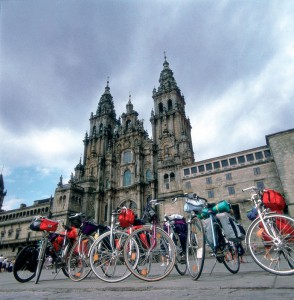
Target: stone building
(123, 166)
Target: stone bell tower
(171, 131)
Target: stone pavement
(250, 283)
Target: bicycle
(172, 225)
(29, 262)
(106, 253)
(146, 247)
(78, 259)
(204, 227)
(270, 237)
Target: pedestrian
(4, 264)
(1, 262)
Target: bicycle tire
(195, 254)
(41, 259)
(143, 261)
(181, 261)
(231, 258)
(25, 264)
(79, 266)
(106, 259)
(275, 256)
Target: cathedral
(122, 166)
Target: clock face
(129, 204)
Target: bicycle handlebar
(189, 196)
(253, 188)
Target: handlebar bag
(194, 205)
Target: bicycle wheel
(275, 252)
(41, 259)
(231, 258)
(78, 260)
(181, 262)
(26, 264)
(144, 254)
(195, 254)
(106, 257)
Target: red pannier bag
(285, 227)
(273, 200)
(42, 224)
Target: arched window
(94, 130)
(172, 176)
(148, 175)
(169, 104)
(128, 124)
(127, 156)
(101, 128)
(127, 179)
(160, 107)
(165, 178)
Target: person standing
(1, 262)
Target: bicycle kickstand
(213, 267)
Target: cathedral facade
(122, 166)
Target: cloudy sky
(233, 61)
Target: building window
(165, 178)
(259, 155)
(241, 159)
(172, 176)
(193, 170)
(127, 157)
(216, 164)
(250, 157)
(188, 185)
(224, 163)
(148, 175)
(210, 194)
(201, 168)
(160, 107)
(267, 153)
(229, 176)
(209, 167)
(256, 171)
(233, 161)
(260, 185)
(231, 190)
(186, 172)
(127, 179)
(169, 104)
(208, 180)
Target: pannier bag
(285, 228)
(273, 200)
(194, 205)
(208, 232)
(222, 206)
(126, 218)
(233, 231)
(89, 227)
(43, 224)
(181, 228)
